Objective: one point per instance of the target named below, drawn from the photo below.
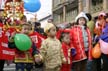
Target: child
(81, 40)
(65, 39)
(99, 30)
(37, 38)
(104, 37)
(24, 59)
(51, 50)
(100, 24)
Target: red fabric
(59, 32)
(1, 25)
(11, 30)
(78, 43)
(22, 55)
(37, 38)
(90, 45)
(5, 52)
(66, 67)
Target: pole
(105, 2)
(64, 13)
(80, 6)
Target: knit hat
(82, 14)
(47, 27)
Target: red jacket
(67, 53)
(5, 52)
(78, 43)
(37, 39)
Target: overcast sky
(46, 7)
(45, 10)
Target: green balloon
(22, 42)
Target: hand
(64, 61)
(73, 51)
(13, 34)
(38, 59)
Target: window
(71, 15)
(95, 2)
(56, 2)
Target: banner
(5, 52)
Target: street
(11, 67)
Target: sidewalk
(11, 67)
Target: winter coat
(67, 53)
(78, 43)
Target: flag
(5, 52)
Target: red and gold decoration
(14, 9)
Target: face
(66, 38)
(52, 32)
(24, 20)
(25, 29)
(82, 21)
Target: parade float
(14, 9)
(13, 12)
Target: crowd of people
(56, 48)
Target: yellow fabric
(47, 27)
(52, 53)
(27, 59)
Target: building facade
(45, 20)
(67, 10)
